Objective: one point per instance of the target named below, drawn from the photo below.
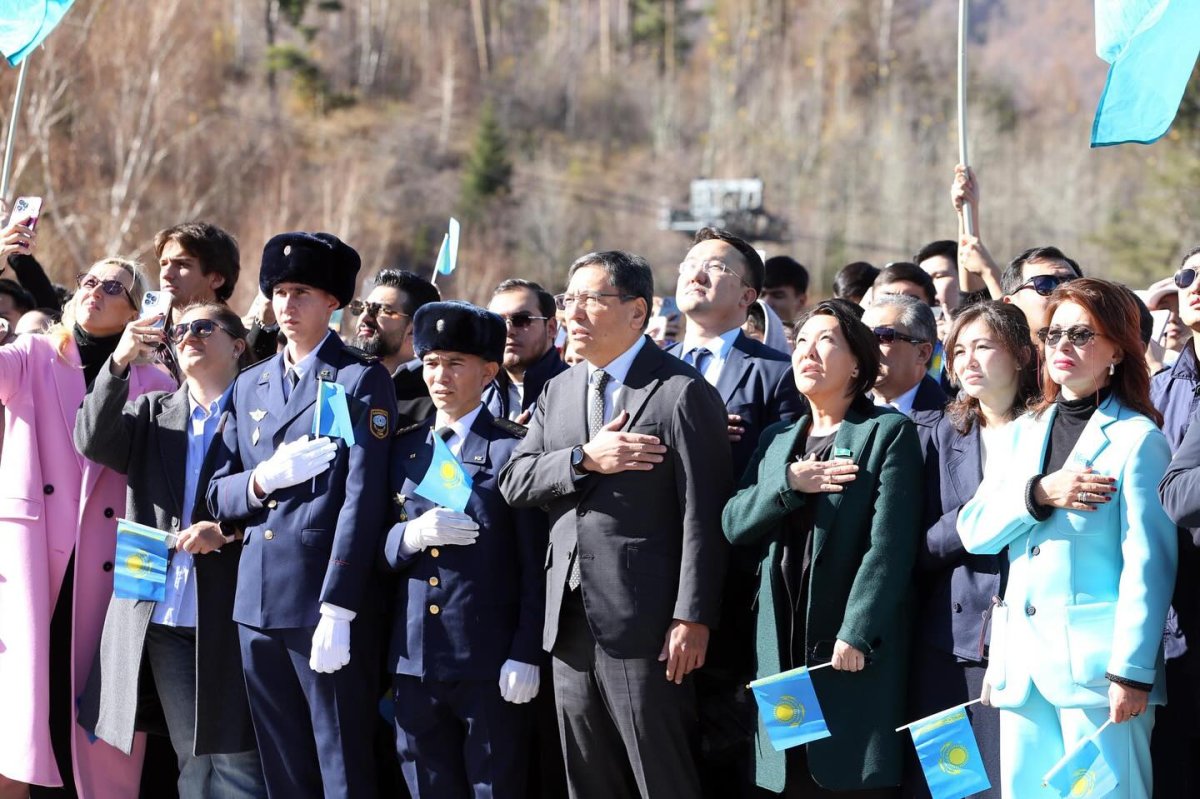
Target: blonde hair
(63, 332)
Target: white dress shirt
(617, 370)
(903, 403)
(718, 347)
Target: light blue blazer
(1087, 591)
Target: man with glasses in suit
(1030, 278)
(530, 358)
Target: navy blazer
(495, 396)
(315, 542)
(956, 586)
(756, 383)
(928, 406)
(490, 596)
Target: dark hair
(628, 273)
(216, 250)
(1188, 255)
(756, 318)
(545, 299)
(1115, 314)
(224, 315)
(852, 280)
(1011, 331)
(1145, 318)
(1014, 273)
(416, 290)
(755, 272)
(783, 270)
(909, 273)
(23, 301)
(943, 247)
(863, 345)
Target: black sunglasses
(1185, 278)
(1043, 284)
(200, 328)
(357, 307)
(888, 335)
(110, 287)
(1078, 335)
(521, 319)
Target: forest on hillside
(554, 127)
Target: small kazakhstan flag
(949, 754)
(332, 417)
(445, 483)
(141, 568)
(1083, 774)
(788, 708)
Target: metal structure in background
(735, 205)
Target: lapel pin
(254, 436)
(326, 374)
(478, 459)
(258, 415)
(841, 452)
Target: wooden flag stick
(947, 710)
(968, 212)
(12, 129)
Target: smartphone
(26, 208)
(155, 303)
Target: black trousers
(625, 730)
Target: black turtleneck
(93, 352)
(1068, 425)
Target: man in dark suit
(384, 329)
(530, 358)
(471, 599)
(313, 511)
(907, 332)
(622, 452)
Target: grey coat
(147, 440)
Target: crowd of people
(557, 536)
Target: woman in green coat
(832, 505)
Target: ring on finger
(1083, 495)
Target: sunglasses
(376, 309)
(889, 335)
(521, 319)
(1043, 284)
(200, 328)
(1185, 278)
(1078, 335)
(112, 288)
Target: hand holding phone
(155, 303)
(26, 211)
(19, 237)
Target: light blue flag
(332, 417)
(1152, 46)
(1083, 775)
(949, 754)
(25, 23)
(141, 562)
(447, 258)
(445, 483)
(788, 709)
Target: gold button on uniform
(268, 535)
(271, 503)
(433, 553)
(433, 581)
(434, 609)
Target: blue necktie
(699, 357)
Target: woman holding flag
(1072, 503)
(163, 441)
(57, 538)
(831, 502)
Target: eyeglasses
(889, 335)
(1185, 278)
(110, 287)
(521, 319)
(376, 309)
(710, 268)
(200, 328)
(1043, 284)
(1078, 335)
(590, 302)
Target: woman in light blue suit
(1077, 638)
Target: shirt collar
(903, 403)
(196, 410)
(618, 367)
(463, 424)
(306, 362)
(718, 346)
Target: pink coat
(53, 501)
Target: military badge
(379, 423)
(258, 415)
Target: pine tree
(488, 169)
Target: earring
(1112, 369)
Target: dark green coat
(860, 589)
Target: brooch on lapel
(400, 499)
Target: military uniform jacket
(461, 611)
(314, 542)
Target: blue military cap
(321, 260)
(459, 327)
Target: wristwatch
(577, 459)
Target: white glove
(331, 640)
(293, 463)
(439, 527)
(519, 682)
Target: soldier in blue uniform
(466, 631)
(313, 509)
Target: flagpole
(12, 129)
(968, 213)
(940, 712)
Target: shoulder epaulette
(361, 355)
(409, 428)
(509, 426)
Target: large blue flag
(1083, 775)
(25, 23)
(141, 562)
(1152, 46)
(788, 708)
(332, 417)
(445, 483)
(949, 754)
